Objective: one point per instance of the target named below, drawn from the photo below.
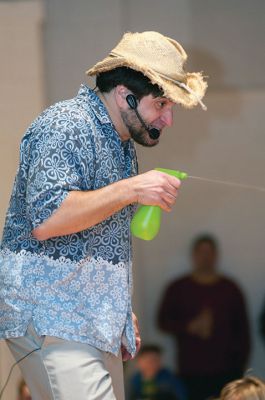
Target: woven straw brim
(171, 90)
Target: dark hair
(202, 239)
(135, 81)
(150, 348)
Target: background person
(206, 314)
(153, 381)
(248, 388)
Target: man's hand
(155, 188)
(125, 354)
(202, 325)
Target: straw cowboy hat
(162, 60)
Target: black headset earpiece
(133, 104)
(132, 101)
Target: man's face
(155, 111)
(204, 258)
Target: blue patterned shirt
(76, 287)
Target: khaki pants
(67, 370)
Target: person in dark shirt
(152, 381)
(206, 314)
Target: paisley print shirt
(76, 287)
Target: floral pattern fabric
(78, 286)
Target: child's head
(149, 360)
(248, 388)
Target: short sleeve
(56, 167)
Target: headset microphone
(132, 102)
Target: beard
(138, 133)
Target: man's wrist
(129, 190)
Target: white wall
(225, 40)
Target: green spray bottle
(146, 221)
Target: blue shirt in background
(164, 386)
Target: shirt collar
(88, 98)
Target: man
(206, 314)
(66, 249)
(152, 381)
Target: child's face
(149, 364)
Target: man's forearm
(81, 210)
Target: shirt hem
(20, 332)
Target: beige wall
(227, 142)
(21, 82)
(22, 98)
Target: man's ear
(120, 93)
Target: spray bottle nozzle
(178, 174)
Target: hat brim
(171, 90)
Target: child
(152, 381)
(248, 388)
